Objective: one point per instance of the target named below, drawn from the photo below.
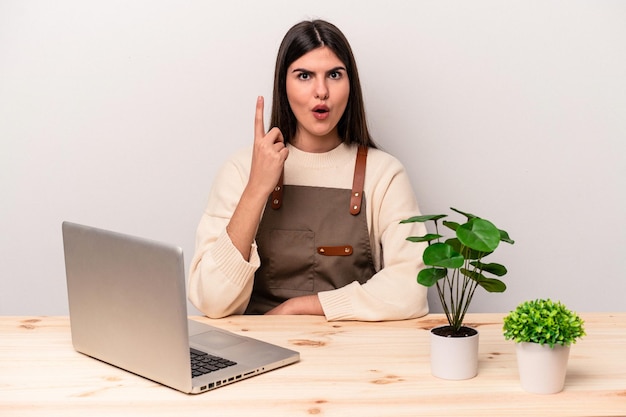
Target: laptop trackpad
(215, 340)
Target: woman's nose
(321, 90)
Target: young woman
(306, 221)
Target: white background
(118, 114)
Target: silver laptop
(128, 308)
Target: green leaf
(489, 284)
(492, 285)
(493, 268)
(467, 253)
(424, 218)
(429, 276)
(425, 238)
(472, 274)
(504, 236)
(442, 255)
(479, 234)
(451, 225)
(468, 215)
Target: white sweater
(221, 281)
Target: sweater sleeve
(393, 292)
(220, 279)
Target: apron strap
(356, 198)
(277, 194)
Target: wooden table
(346, 369)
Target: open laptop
(128, 307)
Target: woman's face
(317, 89)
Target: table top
(346, 369)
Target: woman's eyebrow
(338, 68)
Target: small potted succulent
(455, 266)
(543, 331)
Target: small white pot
(542, 369)
(453, 358)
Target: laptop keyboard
(203, 363)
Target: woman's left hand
(307, 304)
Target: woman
(327, 241)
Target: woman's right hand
(268, 155)
(268, 158)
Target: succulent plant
(544, 322)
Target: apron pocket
(292, 260)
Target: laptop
(128, 307)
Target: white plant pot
(542, 369)
(453, 358)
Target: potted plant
(455, 266)
(543, 331)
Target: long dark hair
(300, 39)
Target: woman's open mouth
(320, 112)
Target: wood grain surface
(346, 369)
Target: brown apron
(311, 239)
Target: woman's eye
(335, 75)
(304, 76)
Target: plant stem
(442, 299)
(473, 284)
